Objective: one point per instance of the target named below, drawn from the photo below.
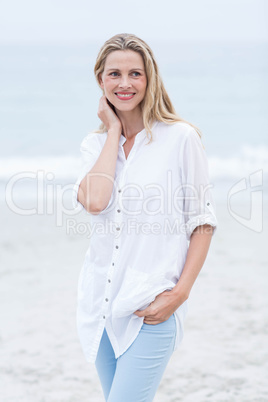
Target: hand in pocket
(160, 309)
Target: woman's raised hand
(108, 116)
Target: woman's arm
(196, 256)
(96, 188)
(168, 301)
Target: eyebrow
(117, 69)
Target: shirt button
(208, 203)
(106, 299)
(117, 228)
(116, 246)
(109, 280)
(118, 210)
(103, 316)
(119, 191)
(112, 263)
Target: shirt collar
(139, 136)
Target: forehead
(124, 59)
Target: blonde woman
(145, 183)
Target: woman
(145, 183)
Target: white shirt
(139, 242)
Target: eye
(136, 72)
(114, 72)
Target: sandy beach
(224, 353)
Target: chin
(125, 108)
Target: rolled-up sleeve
(199, 205)
(89, 151)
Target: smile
(123, 96)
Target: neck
(132, 122)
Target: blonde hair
(156, 104)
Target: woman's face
(124, 79)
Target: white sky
(65, 21)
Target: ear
(100, 80)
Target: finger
(151, 322)
(140, 313)
(150, 319)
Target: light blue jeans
(136, 374)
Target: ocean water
(49, 101)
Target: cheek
(143, 84)
(107, 83)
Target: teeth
(125, 95)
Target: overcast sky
(65, 21)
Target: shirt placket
(116, 249)
(118, 227)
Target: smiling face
(124, 79)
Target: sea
(49, 101)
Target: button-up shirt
(139, 242)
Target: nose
(124, 82)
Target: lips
(125, 95)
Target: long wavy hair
(156, 104)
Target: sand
(224, 353)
